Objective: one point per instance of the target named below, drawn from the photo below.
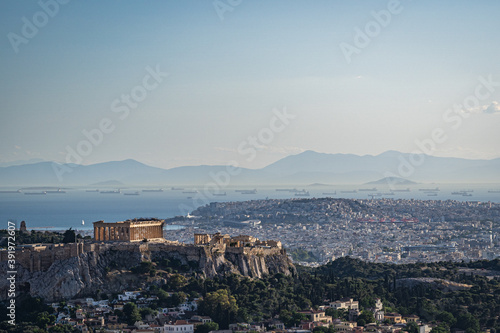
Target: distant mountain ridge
(305, 168)
(392, 181)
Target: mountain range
(305, 168)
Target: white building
(378, 304)
(378, 312)
(189, 306)
(345, 303)
(180, 326)
(129, 295)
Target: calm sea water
(64, 210)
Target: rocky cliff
(107, 268)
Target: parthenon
(128, 231)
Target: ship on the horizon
(11, 191)
(302, 193)
(153, 190)
(463, 193)
(429, 189)
(330, 193)
(402, 190)
(55, 191)
(254, 191)
(110, 192)
(374, 189)
(131, 193)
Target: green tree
(69, 236)
(447, 318)
(147, 311)
(220, 306)
(175, 300)
(177, 281)
(291, 318)
(44, 319)
(131, 313)
(323, 329)
(467, 321)
(412, 327)
(207, 327)
(143, 267)
(441, 328)
(366, 317)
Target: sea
(68, 207)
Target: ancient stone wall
(39, 257)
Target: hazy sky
(357, 77)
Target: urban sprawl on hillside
(316, 231)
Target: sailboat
(83, 222)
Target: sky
(173, 83)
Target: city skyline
(207, 81)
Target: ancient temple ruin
(129, 231)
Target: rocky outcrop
(107, 268)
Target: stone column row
(126, 233)
(111, 233)
(149, 232)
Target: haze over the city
(360, 77)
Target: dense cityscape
(377, 230)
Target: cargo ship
(110, 192)
(55, 191)
(429, 189)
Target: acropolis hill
(63, 271)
